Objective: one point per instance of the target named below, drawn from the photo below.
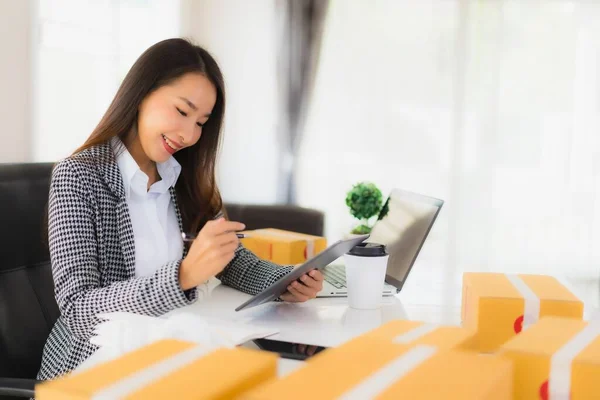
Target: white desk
(322, 322)
(428, 296)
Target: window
(85, 49)
(491, 106)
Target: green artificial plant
(365, 202)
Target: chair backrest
(287, 217)
(28, 307)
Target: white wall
(15, 82)
(242, 33)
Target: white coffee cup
(366, 265)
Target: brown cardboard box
(168, 369)
(494, 304)
(556, 352)
(283, 247)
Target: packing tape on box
(146, 376)
(559, 382)
(310, 243)
(415, 333)
(531, 314)
(390, 373)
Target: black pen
(187, 238)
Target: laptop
(402, 226)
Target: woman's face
(171, 117)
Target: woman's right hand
(210, 252)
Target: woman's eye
(199, 124)
(181, 112)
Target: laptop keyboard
(335, 275)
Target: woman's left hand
(305, 288)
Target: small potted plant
(365, 202)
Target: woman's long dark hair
(198, 196)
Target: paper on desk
(123, 332)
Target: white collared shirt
(155, 227)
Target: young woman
(119, 205)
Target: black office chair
(28, 308)
(287, 217)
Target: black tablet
(293, 351)
(319, 261)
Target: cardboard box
(283, 247)
(410, 333)
(372, 369)
(499, 306)
(556, 354)
(168, 369)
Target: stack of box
(506, 316)
(536, 322)
(499, 306)
(530, 325)
(283, 247)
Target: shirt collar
(136, 180)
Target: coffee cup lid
(368, 250)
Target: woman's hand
(210, 252)
(310, 284)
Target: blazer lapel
(178, 213)
(125, 229)
(112, 176)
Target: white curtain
(492, 106)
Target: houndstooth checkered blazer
(93, 259)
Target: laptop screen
(403, 225)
